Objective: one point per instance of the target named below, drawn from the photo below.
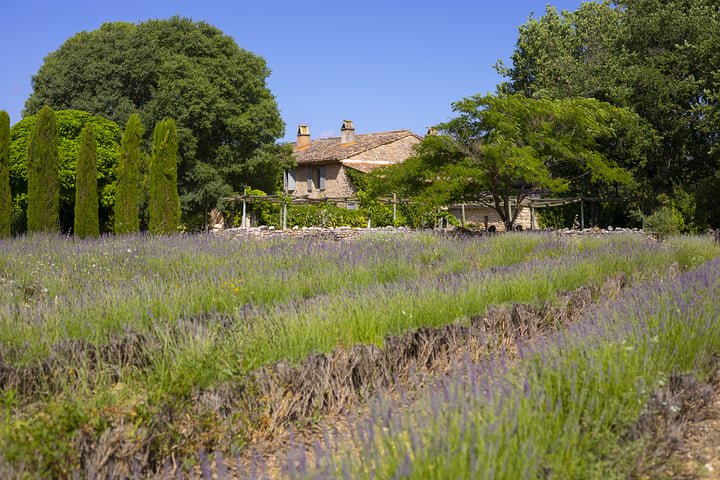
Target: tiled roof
(327, 150)
(365, 166)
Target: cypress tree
(43, 213)
(87, 223)
(164, 199)
(127, 194)
(5, 196)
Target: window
(321, 178)
(351, 206)
(316, 178)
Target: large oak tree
(226, 117)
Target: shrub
(664, 222)
(69, 126)
(127, 195)
(43, 176)
(5, 197)
(164, 202)
(86, 199)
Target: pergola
(532, 203)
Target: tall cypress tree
(43, 176)
(127, 194)
(5, 196)
(87, 223)
(164, 199)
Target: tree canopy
(69, 126)
(659, 58)
(226, 116)
(500, 149)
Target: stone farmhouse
(322, 169)
(322, 164)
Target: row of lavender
(563, 410)
(100, 335)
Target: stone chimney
(347, 133)
(303, 137)
(431, 131)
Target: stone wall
(484, 217)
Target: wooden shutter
(322, 178)
(310, 181)
(289, 180)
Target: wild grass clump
(564, 409)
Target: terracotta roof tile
(328, 150)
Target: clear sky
(385, 65)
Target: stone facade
(485, 217)
(336, 182)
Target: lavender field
(128, 357)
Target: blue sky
(384, 65)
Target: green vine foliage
(69, 126)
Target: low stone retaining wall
(349, 233)
(334, 233)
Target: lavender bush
(122, 335)
(562, 410)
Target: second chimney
(303, 137)
(347, 133)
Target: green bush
(664, 222)
(86, 198)
(164, 201)
(5, 196)
(127, 204)
(69, 126)
(42, 174)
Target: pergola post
(394, 208)
(284, 216)
(244, 215)
(532, 218)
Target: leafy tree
(43, 176)
(227, 119)
(5, 196)
(86, 197)
(659, 58)
(127, 195)
(164, 203)
(70, 124)
(499, 150)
